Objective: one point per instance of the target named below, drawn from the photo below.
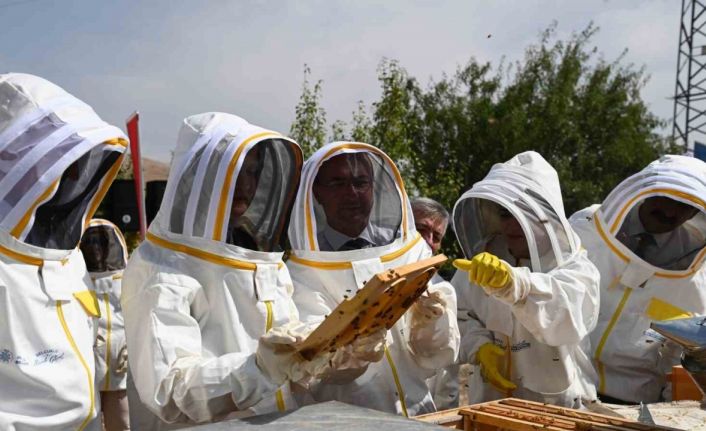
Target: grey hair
(426, 207)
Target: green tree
(309, 126)
(584, 114)
(338, 131)
(361, 129)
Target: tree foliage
(309, 126)
(585, 115)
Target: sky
(169, 59)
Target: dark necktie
(355, 244)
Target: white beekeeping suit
(57, 161)
(210, 281)
(414, 348)
(540, 318)
(631, 359)
(105, 252)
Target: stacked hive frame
(520, 415)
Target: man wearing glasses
(343, 189)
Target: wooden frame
(521, 415)
(380, 303)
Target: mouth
(663, 219)
(352, 208)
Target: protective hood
(230, 181)
(356, 179)
(57, 160)
(680, 178)
(527, 187)
(103, 247)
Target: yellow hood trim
(628, 205)
(21, 257)
(347, 264)
(695, 266)
(204, 255)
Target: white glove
(279, 360)
(427, 309)
(277, 357)
(369, 348)
(349, 362)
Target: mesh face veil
(263, 196)
(484, 216)
(668, 195)
(349, 192)
(694, 227)
(355, 192)
(57, 158)
(103, 247)
(231, 182)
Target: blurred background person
(105, 252)
(431, 220)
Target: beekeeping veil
(349, 183)
(103, 247)
(230, 181)
(528, 188)
(57, 160)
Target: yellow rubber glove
(487, 357)
(486, 270)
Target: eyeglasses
(358, 184)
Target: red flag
(133, 132)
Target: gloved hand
(486, 270)
(363, 350)
(276, 353)
(350, 362)
(487, 356)
(427, 309)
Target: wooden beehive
(380, 303)
(520, 415)
(683, 385)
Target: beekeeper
(209, 281)
(528, 295)
(57, 160)
(647, 239)
(351, 220)
(105, 252)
